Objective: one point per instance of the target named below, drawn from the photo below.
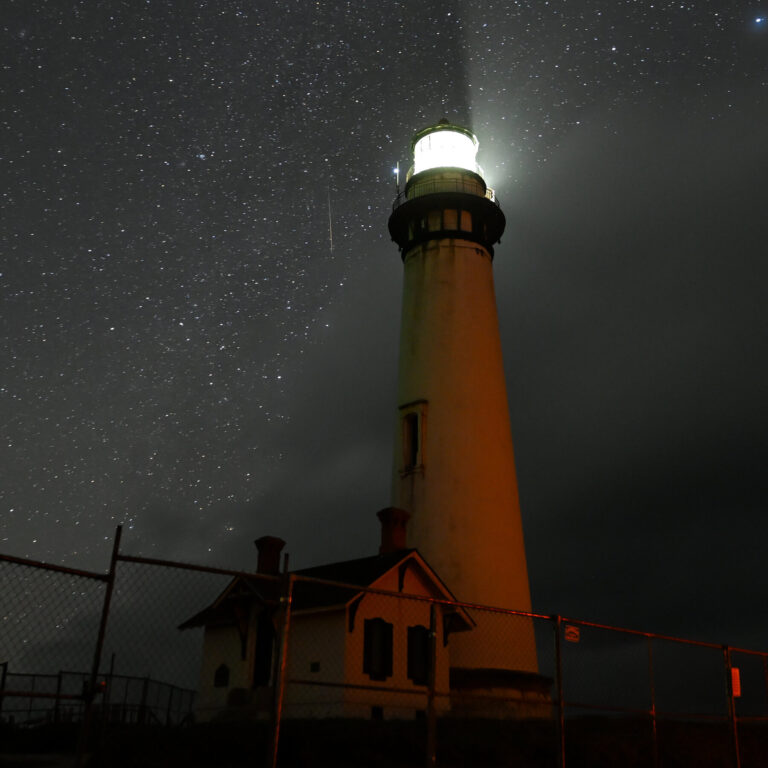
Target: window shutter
(386, 652)
(418, 655)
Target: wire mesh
(690, 680)
(605, 713)
(503, 692)
(692, 702)
(192, 668)
(48, 623)
(184, 668)
(749, 684)
(591, 655)
(368, 658)
(149, 604)
(360, 662)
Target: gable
(234, 604)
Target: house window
(419, 655)
(221, 676)
(377, 649)
(262, 658)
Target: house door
(265, 643)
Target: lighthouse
(454, 467)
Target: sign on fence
(735, 682)
(572, 633)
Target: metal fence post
(125, 715)
(57, 700)
(731, 707)
(107, 700)
(557, 626)
(765, 674)
(652, 684)
(91, 687)
(30, 703)
(143, 702)
(3, 677)
(168, 707)
(280, 673)
(431, 682)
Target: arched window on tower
(411, 441)
(412, 425)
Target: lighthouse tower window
(412, 426)
(411, 441)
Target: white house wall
(316, 653)
(324, 638)
(221, 645)
(325, 661)
(401, 613)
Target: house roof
(362, 572)
(232, 605)
(308, 595)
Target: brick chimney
(393, 526)
(269, 548)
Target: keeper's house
(351, 652)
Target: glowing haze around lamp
(445, 146)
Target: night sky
(200, 300)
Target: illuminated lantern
(445, 146)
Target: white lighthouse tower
(454, 468)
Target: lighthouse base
(499, 694)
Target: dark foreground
(590, 743)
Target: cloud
(630, 286)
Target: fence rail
(119, 699)
(294, 670)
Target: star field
(192, 192)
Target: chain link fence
(164, 663)
(49, 621)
